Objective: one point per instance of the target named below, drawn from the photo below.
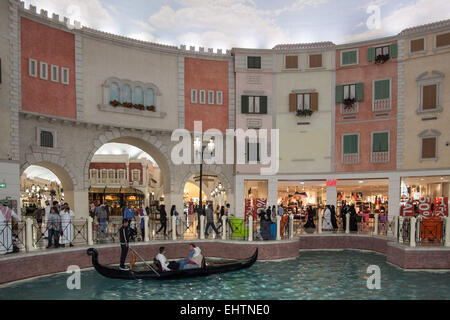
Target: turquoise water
(312, 275)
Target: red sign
(441, 207)
(248, 208)
(332, 183)
(260, 205)
(407, 209)
(424, 207)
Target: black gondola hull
(116, 273)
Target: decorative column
(202, 227)
(400, 231)
(319, 223)
(412, 232)
(28, 234)
(375, 226)
(90, 237)
(447, 232)
(278, 227)
(291, 226)
(224, 227)
(146, 229)
(174, 227)
(250, 228)
(347, 223)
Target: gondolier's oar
(144, 261)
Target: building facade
(365, 116)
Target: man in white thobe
(6, 242)
(67, 216)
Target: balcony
(350, 158)
(349, 109)
(381, 105)
(379, 157)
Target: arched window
(126, 93)
(150, 97)
(114, 92)
(138, 95)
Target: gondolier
(124, 233)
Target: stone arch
(149, 143)
(215, 169)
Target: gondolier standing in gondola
(124, 233)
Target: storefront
(117, 198)
(296, 196)
(369, 196)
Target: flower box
(349, 102)
(304, 113)
(381, 58)
(151, 108)
(114, 103)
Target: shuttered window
(349, 57)
(254, 62)
(443, 40)
(254, 104)
(429, 148)
(351, 144)
(429, 97)
(303, 101)
(46, 139)
(380, 142)
(354, 91)
(315, 60)
(382, 89)
(417, 45)
(291, 62)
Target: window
(382, 51)
(149, 97)
(193, 95)
(350, 91)
(55, 73)
(429, 97)
(210, 97)
(138, 97)
(32, 68)
(202, 97)
(126, 93)
(417, 45)
(443, 40)
(381, 95)
(253, 152)
(43, 69)
(94, 174)
(254, 104)
(315, 60)
(104, 174)
(219, 97)
(350, 149)
(254, 62)
(349, 57)
(291, 62)
(135, 175)
(111, 174)
(380, 142)
(64, 75)
(429, 148)
(351, 144)
(114, 92)
(121, 174)
(303, 101)
(46, 138)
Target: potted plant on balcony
(114, 103)
(128, 105)
(304, 112)
(151, 108)
(139, 106)
(348, 103)
(381, 58)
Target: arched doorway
(43, 181)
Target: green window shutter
(360, 91)
(244, 104)
(371, 54)
(382, 89)
(351, 144)
(339, 94)
(393, 50)
(263, 105)
(349, 57)
(380, 142)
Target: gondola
(145, 273)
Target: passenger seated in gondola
(193, 260)
(162, 259)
